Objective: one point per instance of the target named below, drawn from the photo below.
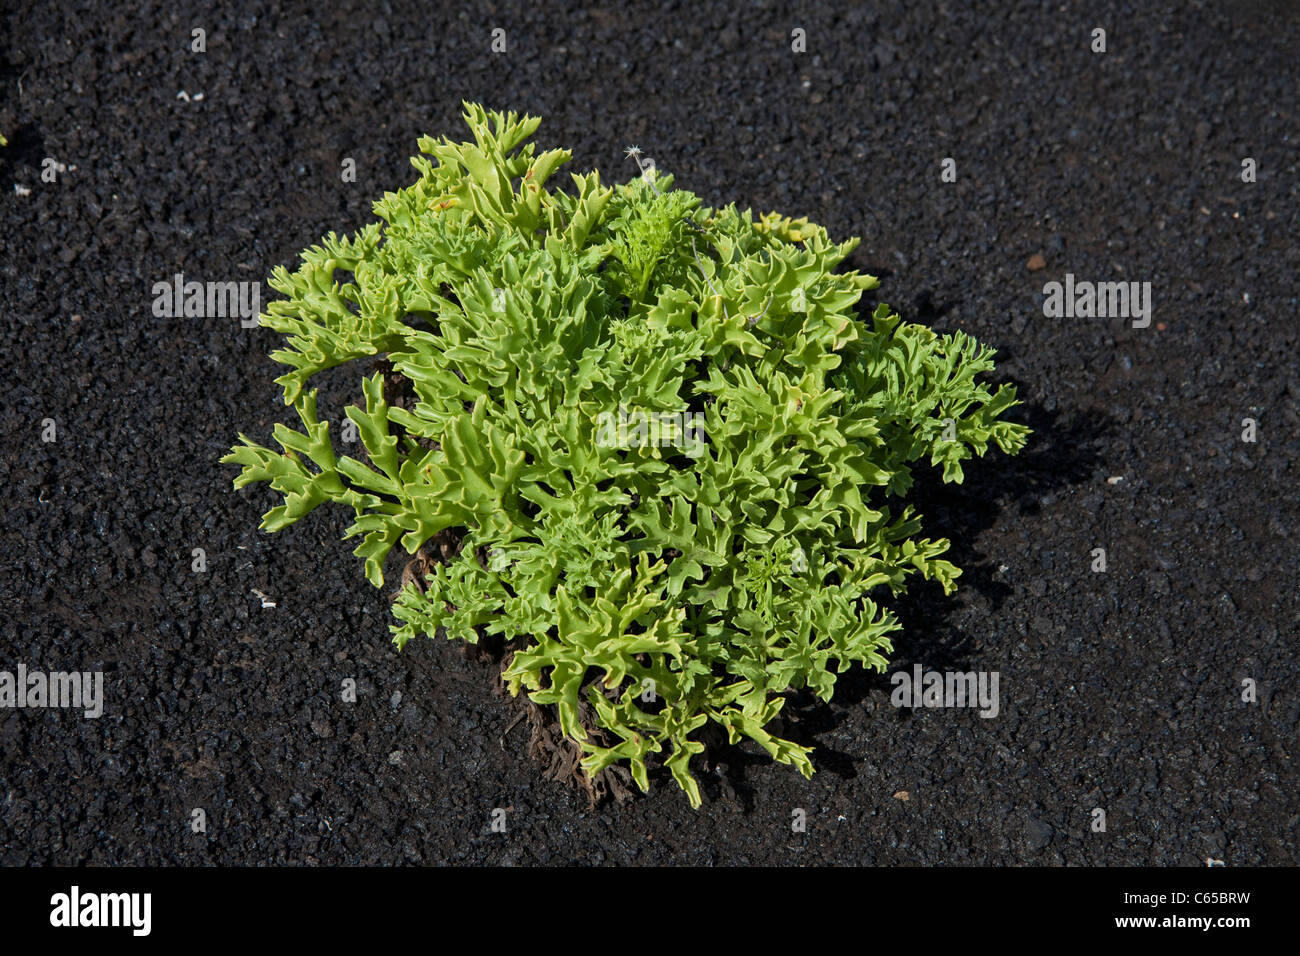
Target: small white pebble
(1114, 479)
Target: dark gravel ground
(1119, 691)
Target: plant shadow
(1064, 449)
(25, 151)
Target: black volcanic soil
(1120, 691)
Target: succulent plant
(729, 542)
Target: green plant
(664, 589)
